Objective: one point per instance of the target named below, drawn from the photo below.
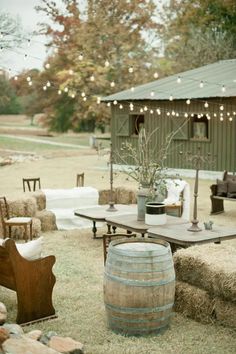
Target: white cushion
(19, 219)
(30, 250)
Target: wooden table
(179, 236)
(99, 213)
(130, 223)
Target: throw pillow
(222, 188)
(231, 189)
(30, 250)
(230, 177)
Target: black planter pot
(155, 214)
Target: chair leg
(9, 231)
(31, 230)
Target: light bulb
(151, 111)
(132, 89)
(141, 110)
(112, 84)
(230, 119)
(168, 113)
(188, 101)
(81, 56)
(66, 89)
(173, 113)
(72, 95)
(25, 56)
(107, 63)
(92, 78)
(85, 99)
(152, 93)
(28, 42)
(206, 105)
(115, 102)
(98, 100)
(59, 92)
(44, 88)
(83, 94)
(221, 107)
(171, 98)
(30, 83)
(47, 66)
(179, 80)
(48, 84)
(145, 109)
(201, 84)
(223, 88)
(155, 75)
(108, 104)
(131, 69)
(15, 78)
(71, 72)
(120, 106)
(221, 119)
(186, 115)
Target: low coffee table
(130, 223)
(179, 236)
(99, 213)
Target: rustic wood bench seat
(32, 280)
(217, 202)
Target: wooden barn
(203, 98)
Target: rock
(23, 345)
(14, 329)
(66, 345)
(3, 313)
(46, 337)
(36, 334)
(4, 334)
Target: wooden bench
(33, 282)
(217, 202)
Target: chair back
(31, 184)
(4, 210)
(80, 180)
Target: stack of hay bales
(121, 195)
(206, 283)
(31, 206)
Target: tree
(199, 32)
(11, 33)
(9, 103)
(98, 52)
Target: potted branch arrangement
(149, 170)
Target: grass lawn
(78, 299)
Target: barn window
(199, 128)
(136, 123)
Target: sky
(29, 18)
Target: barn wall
(222, 134)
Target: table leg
(94, 229)
(108, 229)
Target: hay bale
(22, 207)
(40, 198)
(197, 304)
(104, 196)
(209, 267)
(16, 207)
(48, 220)
(36, 227)
(125, 196)
(194, 303)
(225, 312)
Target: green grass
(28, 146)
(78, 299)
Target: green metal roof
(213, 77)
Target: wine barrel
(139, 286)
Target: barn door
(122, 125)
(181, 127)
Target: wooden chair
(9, 222)
(31, 183)
(80, 180)
(107, 238)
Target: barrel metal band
(137, 329)
(121, 269)
(132, 310)
(134, 282)
(115, 319)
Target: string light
(186, 115)
(115, 102)
(201, 84)
(152, 93)
(179, 80)
(83, 94)
(28, 78)
(109, 104)
(92, 78)
(98, 100)
(29, 42)
(151, 111)
(47, 66)
(221, 119)
(15, 78)
(223, 88)
(206, 105)
(25, 56)
(230, 119)
(131, 70)
(66, 89)
(71, 72)
(59, 92)
(141, 110)
(145, 108)
(30, 83)
(85, 99)
(156, 75)
(132, 89)
(188, 101)
(221, 107)
(48, 84)
(171, 98)
(120, 106)
(107, 63)
(44, 88)
(81, 56)
(112, 84)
